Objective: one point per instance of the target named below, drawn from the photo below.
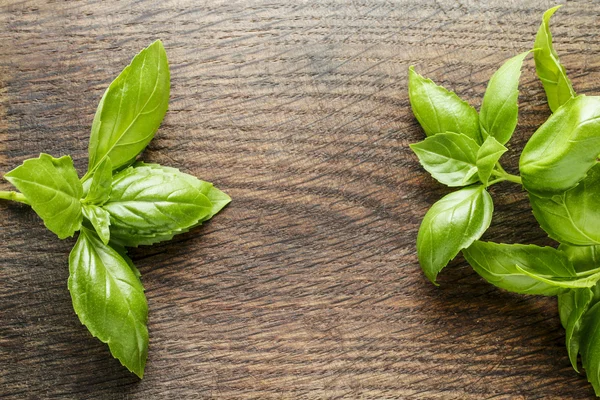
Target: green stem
(505, 176)
(13, 196)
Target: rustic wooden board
(307, 285)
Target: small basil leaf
(573, 216)
(564, 148)
(449, 158)
(584, 258)
(488, 155)
(439, 110)
(499, 109)
(578, 301)
(566, 305)
(589, 345)
(548, 67)
(153, 203)
(497, 263)
(131, 109)
(109, 300)
(452, 224)
(53, 189)
(101, 184)
(100, 220)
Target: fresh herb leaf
(449, 157)
(452, 224)
(584, 258)
(100, 185)
(109, 300)
(487, 157)
(439, 110)
(589, 344)
(563, 149)
(131, 109)
(499, 109)
(551, 72)
(573, 216)
(53, 190)
(576, 303)
(148, 203)
(497, 263)
(100, 220)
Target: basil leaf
(131, 109)
(579, 301)
(584, 258)
(589, 345)
(101, 184)
(573, 216)
(497, 263)
(218, 198)
(499, 109)
(488, 155)
(54, 191)
(449, 158)
(148, 203)
(439, 110)
(100, 220)
(450, 225)
(548, 67)
(109, 300)
(571, 282)
(564, 148)
(566, 305)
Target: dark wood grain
(307, 285)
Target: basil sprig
(559, 170)
(118, 203)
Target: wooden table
(307, 286)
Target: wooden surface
(307, 286)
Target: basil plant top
(559, 170)
(118, 203)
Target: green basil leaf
(488, 155)
(576, 303)
(450, 225)
(566, 305)
(449, 157)
(101, 184)
(439, 110)
(218, 198)
(589, 345)
(109, 300)
(149, 203)
(499, 109)
(584, 258)
(497, 263)
(100, 220)
(573, 216)
(571, 282)
(53, 189)
(131, 109)
(548, 67)
(564, 148)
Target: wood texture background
(307, 286)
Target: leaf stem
(13, 196)
(505, 176)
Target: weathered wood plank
(307, 285)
